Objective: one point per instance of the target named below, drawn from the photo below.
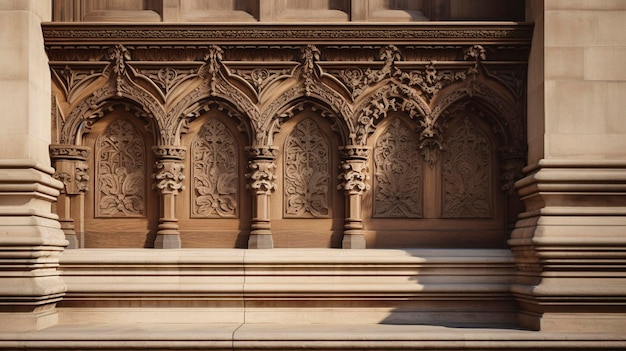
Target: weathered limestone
(570, 243)
(31, 239)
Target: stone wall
(570, 242)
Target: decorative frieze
(422, 77)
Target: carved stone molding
(263, 152)
(71, 168)
(58, 33)
(169, 152)
(69, 152)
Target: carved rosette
(71, 168)
(354, 170)
(169, 169)
(261, 176)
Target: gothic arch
(213, 83)
(500, 110)
(102, 100)
(307, 209)
(389, 96)
(293, 107)
(307, 82)
(199, 107)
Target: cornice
(319, 34)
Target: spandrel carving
(467, 169)
(398, 180)
(215, 172)
(307, 173)
(120, 178)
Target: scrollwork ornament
(169, 176)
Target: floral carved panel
(120, 179)
(467, 169)
(397, 174)
(215, 172)
(306, 172)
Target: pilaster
(354, 183)
(31, 239)
(169, 181)
(262, 183)
(71, 169)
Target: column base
(260, 241)
(167, 241)
(353, 241)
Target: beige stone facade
(435, 174)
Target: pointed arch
(389, 96)
(503, 113)
(105, 99)
(296, 98)
(221, 95)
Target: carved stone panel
(215, 172)
(397, 174)
(467, 173)
(120, 178)
(306, 172)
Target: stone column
(71, 170)
(354, 182)
(262, 182)
(570, 243)
(31, 238)
(169, 181)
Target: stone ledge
(150, 336)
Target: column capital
(266, 152)
(354, 152)
(170, 152)
(69, 152)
